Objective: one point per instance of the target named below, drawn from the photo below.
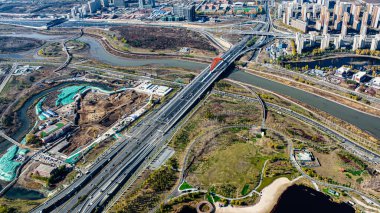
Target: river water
(356, 62)
(25, 126)
(363, 121)
(99, 53)
(30, 54)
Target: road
(347, 143)
(102, 181)
(285, 72)
(69, 57)
(2, 134)
(370, 154)
(107, 176)
(6, 79)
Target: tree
(30, 138)
(6, 209)
(57, 175)
(7, 120)
(173, 163)
(293, 46)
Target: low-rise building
(305, 158)
(152, 89)
(376, 82)
(317, 72)
(342, 71)
(43, 170)
(359, 76)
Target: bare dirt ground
(99, 111)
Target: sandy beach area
(268, 200)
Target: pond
(301, 199)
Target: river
(17, 192)
(25, 126)
(29, 54)
(364, 121)
(357, 62)
(99, 53)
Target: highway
(8, 76)
(110, 172)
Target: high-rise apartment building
(94, 5)
(119, 3)
(375, 17)
(188, 12)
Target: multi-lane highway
(109, 173)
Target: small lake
(300, 199)
(22, 193)
(356, 62)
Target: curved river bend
(361, 120)
(366, 122)
(99, 53)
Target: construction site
(99, 111)
(70, 122)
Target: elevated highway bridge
(94, 189)
(108, 174)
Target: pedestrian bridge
(2, 134)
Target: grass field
(58, 126)
(245, 189)
(237, 166)
(185, 186)
(19, 205)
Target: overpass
(109, 173)
(94, 189)
(261, 33)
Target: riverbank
(364, 121)
(21, 107)
(138, 55)
(99, 53)
(311, 87)
(268, 200)
(331, 56)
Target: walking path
(2, 134)
(268, 200)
